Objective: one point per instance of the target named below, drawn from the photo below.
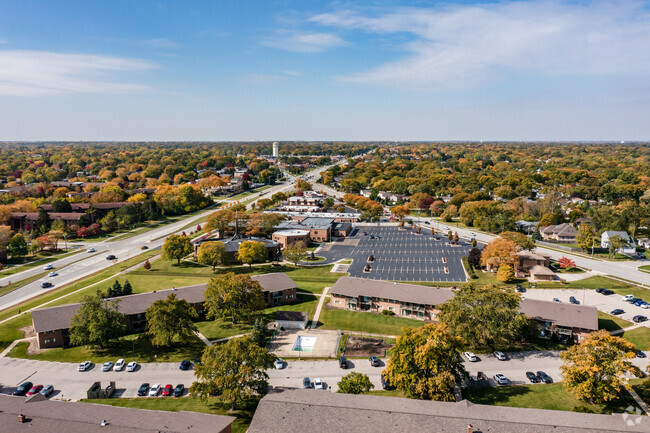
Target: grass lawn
(388, 393)
(315, 259)
(211, 405)
(640, 337)
(611, 323)
(40, 259)
(547, 396)
(365, 322)
(122, 348)
(9, 330)
(642, 387)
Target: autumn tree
(400, 212)
(355, 383)
(615, 242)
(221, 221)
(5, 237)
(212, 253)
(585, 237)
(147, 265)
(176, 247)
(566, 262)
(474, 258)
(302, 185)
(250, 252)
(486, 317)
(233, 297)
(499, 251)
(263, 224)
(17, 246)
(235, 370)
(450, 213)
(505, 273)
(96, 322)
(596, 369)
(520, 239)
(295, 252)
(425, 362)
(56, 236)
(171, 321)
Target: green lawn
(611, 323)
(640, 337)
(211, 405)
(547, 396)
(365, 322)
(9, 331)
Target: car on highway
(500, 379)
(90, 250)
(279, 364)
(119, 365)
(573, 300)
(34, 390)
(343, 362)
(639, 318)
(617, 312)
(47, 390)
(131, 366)
(108, 366)
(544, 377)
(532, 377)
(644, 305)
(470, 356)
(306, 383)
(500, 356)
(154, 390)
(52, 274)
(84, 365)
(46, 284)
(167, 390)
(374, 361)
(185, 364)
(556, 300)
(144, 389)
(178, 390)
(23, 388)
(110, 257)
(318, 384)
(48, 268)
(627, 297)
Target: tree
(259, 332)
(499, 251)
(42, 224)
(595, 370)
(425, 362)
(56, 235)
(302, 185)
(234, 297)
(566, 262)
(263, 224)
(176, 247)
(456, 238)
(474, 257)
(400, 212)
(520, 239)
(17, 246)
(250, 252)
(486, 317)
(450, 213)
(171, 321)
(236, 370)
(126, 288)
(96, 322)
(221, 221)
(586, 236)
(296, 252)
(212, 254)
(615, 242)
(355, 383)
(147, 265)
(505, 273)
(5, 237)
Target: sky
(242, 70)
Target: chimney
(470, 429)
(21, 418)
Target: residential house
(644, 242)
(628, 246)
(533, 265)
(526, 226)
(560, 233)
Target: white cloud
(34, 73)
(303, 42)
(461, 46)
(160, 43)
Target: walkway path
(221, 340)
(642, 404)
(203, 338)
(321, 301)
(12, 345)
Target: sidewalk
(321, 301)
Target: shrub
(388, 313)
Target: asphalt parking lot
(401, 255)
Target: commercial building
(289, 237)
(320, 229)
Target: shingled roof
(355, 287)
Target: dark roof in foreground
(351, 286)
(291, 316)
(288, 411)
(561, 313)
(275, 282)
(52, 416)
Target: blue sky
(311, 70)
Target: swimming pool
(304, 343)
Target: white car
(84, 366)
(131, 366)
(279, 364)
(627, 297)
(645, 306)
(52, 274)
(500, 356)
(119, 365)
(500, 379)
(318, 384)
(154, 390)
(470, 357)
(48, 268)
(90, 250)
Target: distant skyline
(246, 70)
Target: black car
(573, 300)
(374, 361)
(520, 288)
(544, 377)
(634, 300)
(607, 292)
(532, 377)
(617, 312)
(599, 290)
(23, 388)
(343, 363)
(385, 383)
(46, 284)
(640, 354)
(144, 388)
(185, 364)
(178, 391)
(639, 318)
(110, 257)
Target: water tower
(276, 149)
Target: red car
(167, 390)
(35, 390)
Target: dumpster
(96, 390)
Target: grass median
(611, 323)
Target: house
(644, 242)
(287, 238)
(561, 233)
(405, 300)
(290, 410)
(526, 226)
(278, 288)
(628, 243)
(291, 319)
(562, 319)
(38, 414)
(534, 265)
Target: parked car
(634, 300)
(90, 250)
(532, 377)
(343, 362)
(385, 383)
(23, 388)
(52, 274)
(46, 284)
(520, 288)
(185, 364)
(500, 356)
(544, 377)
(318, 384)
(645, 305)
(599, 290)
(47, 390)
(279, 364)
(607, 292)
(500, 379)
(144, 389)
(154, 390)
(640, 302)
(119, 365)
(34, 390)
(639, 318)
(131, 366)
(573, 300)
(374, 361)
(84, 366)
(627, 297)
(110, 257)
(640, 354)
(167, 390)
(470, 357)
(48, 267)
(108, 366)
(178, 391)
(617, 311)
(556, 300)
(306, 383)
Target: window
(289, 296)
(48, 341)
(391, 308)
